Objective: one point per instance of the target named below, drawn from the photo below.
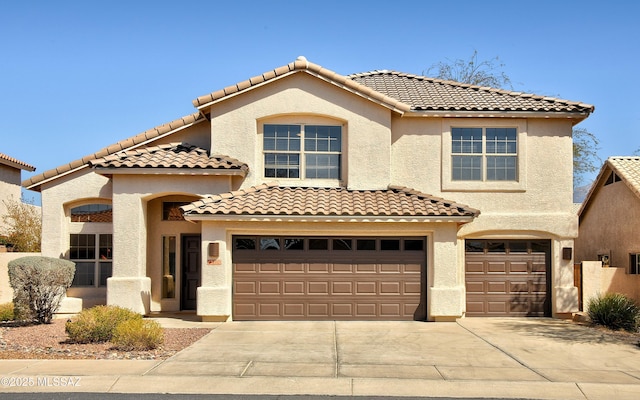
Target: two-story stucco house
(10, 189)
(305, 194)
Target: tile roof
(35, 181)
(173, 155)
(302, 65)
(406, 92)
(627, 168)
(12, 162)
(423, 93)
(270, 199)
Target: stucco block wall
(597, 280)
(6, 292)
(366, 133)
(608, 226)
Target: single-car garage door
(507, 278)
(328, 278)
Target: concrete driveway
(472, 358)
(544, 350)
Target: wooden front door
(191, 260)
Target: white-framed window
(634, 264)
(93, 255)
(481, 155)
(484, 154)
(302, 151)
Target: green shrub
(138, 334)
(98, 323)
(39, 284)
(6, 312)
(615, 311)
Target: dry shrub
(138, 334)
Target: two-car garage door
(328, 278)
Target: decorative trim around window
(301, 151)
(479, 157)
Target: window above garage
(302, 151)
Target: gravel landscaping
(49, 341)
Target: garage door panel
(342, 288)
(475, 267)
(390, 268)
(294, 288)
(366, 288)
(269, 287)
(265, 268)
(318, 310)
(293, 267)
(363, 267)
(293, 309)
(341, 285)
(342, 309)
(390, 288)
(516, 267)
(268, 309)
(411, 287)
(342, 268)
(497, 267)
(499, 287)
(318, 267)
(249, 288)
(316, 288)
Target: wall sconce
(214, 250)
(567, 253)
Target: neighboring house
(10, 189)
(305, 194)
(608, 229)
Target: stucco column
(129, 285)
(214, 296)
(565, 293)
(446, 292)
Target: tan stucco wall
(597, 280)
(9, 190)
(234, 127)
(609, 225)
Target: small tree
(585, 154)
(39, 284)
(24, 225)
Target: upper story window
(302, 151)
(484, 154)
(92, 213)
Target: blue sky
(76, 76)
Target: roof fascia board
(492, 114)
(320, 218)
(132, 147)
(16, 165)
(167, 171)
(314, 74)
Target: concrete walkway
(473, 358)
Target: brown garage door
(508, 278)
(328, 278)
